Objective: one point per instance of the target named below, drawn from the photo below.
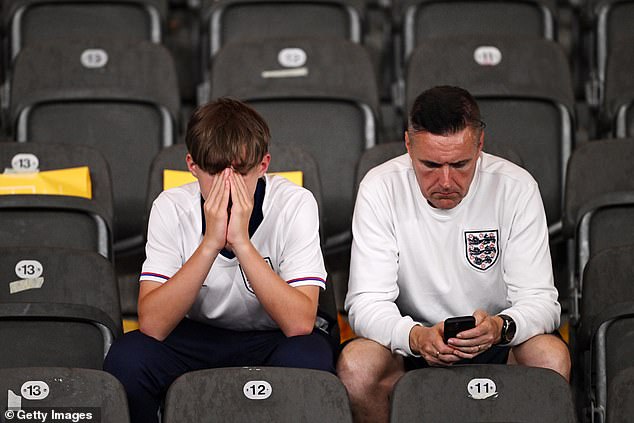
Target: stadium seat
(30, 22)
(120, 97)
(429, 19)
(59, 307)
(63, 390)
(57, 220)
(482, 393)
(264, 394)
(621, 399)
(524, 90)
(611, 22)
(618, 108)
(605, 334)
(599, 204)
(226, 21)
(319, 94)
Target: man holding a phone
(446, 231)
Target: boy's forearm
(162, 308)
(293, 309)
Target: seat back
(326, 103)
(606, 326)
(524, 90)
(599, 203)
(56, 220)
(118, 96)
(428, 19)
(59, 307)
(251, 394)
(482, 393)
(621, 399)
(612, 24)
(227, 21)
(619, 87)
(31, 22)
(64, 390)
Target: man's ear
(193, 168)
(407, 141)
(264, 164)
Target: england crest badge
(482, 248)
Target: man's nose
(445, 176)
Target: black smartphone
(455, 325)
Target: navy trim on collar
(257, 215)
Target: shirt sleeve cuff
(400, 336)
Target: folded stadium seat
(284, 158)
(116, 95)
(225, 21)
(64, 390)
(524, 90)
(620, 400)
(605, 335)
(316, 93)
(618, 108)
(30, 22)
(482, 393)
(426, 19)
(599, 204)
(59, 307)
(257, 394)
(611, 22)
(43, 220)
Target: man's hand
(215, 208)
(238, 229)
(483, 336)
(429, 344)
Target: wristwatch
(508, 329)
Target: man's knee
(127, 357)
(547, 351)
(312, 351)
(364, 365)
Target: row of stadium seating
(484, 393)
(60, 250)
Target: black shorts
(497, 354)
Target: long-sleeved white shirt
(414, 264)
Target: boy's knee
(124, 359)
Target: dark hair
(227, 133)
(444, 110)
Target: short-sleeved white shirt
(412, 263)
(287, 238)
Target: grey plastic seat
(427, 19)
(250, 394)
(611, 22)
(482, 393)
(55, 220)
(65, 390)
(319, 94)
(605, 334)
(618, 107)
(599, 204)
(620, 399)
(524, 89)
(59, 307)
(31, 22)
(118, 96)
(227, 21)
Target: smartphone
(455, 325)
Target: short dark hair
(226, 133)
(444, 110)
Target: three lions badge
(482, 248)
